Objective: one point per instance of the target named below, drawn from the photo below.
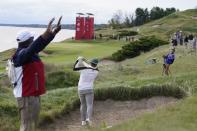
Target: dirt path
(110, 113)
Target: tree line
(140, 17)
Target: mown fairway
(67, 52)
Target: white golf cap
(24, 35)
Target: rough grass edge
(148, 91)
(119, 93)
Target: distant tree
(146, 15)
(112, 23)
(117, 20)
(156, 13)
(139, 16)
(169, 11)
(142, 16)
(128, 20)
(131, 16)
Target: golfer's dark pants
(86, 108)
(29, 109)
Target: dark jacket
(30, 69)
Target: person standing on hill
(186, 41)
(194, 45)
(30, 74)
(178, 37)
(88, 74)
(190, 38)
(181, 37)
(174, 40)
(168, 60)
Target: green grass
(131, 75)
(136, 73)
(8, 111)
(58, 102)
(68, 51)
(61, 79)
(129, 93)
(134, 70)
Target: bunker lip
(109, 113)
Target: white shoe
(89, 122)
(83, 123)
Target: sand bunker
(109, 113)
(155, 26)
(194, 17)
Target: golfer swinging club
(168, 60)
(88, 74)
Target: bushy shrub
(117, 56)
(133, 49)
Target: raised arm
(42, 41)
(76, 66)
(82, 64)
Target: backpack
(11, 73)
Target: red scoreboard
(89, 28)
(84, 28)
(79, 33)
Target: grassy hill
(175, 117)
(131, 74)
(164, 27)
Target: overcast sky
(40, 11)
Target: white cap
(24, 35)
(172, 48)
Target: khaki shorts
(29, 109)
